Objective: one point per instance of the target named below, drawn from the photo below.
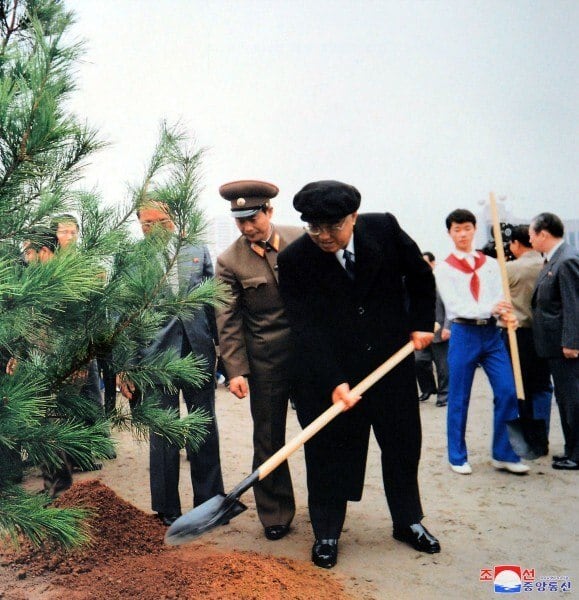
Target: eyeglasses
(315, 229)
(161, 222)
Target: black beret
(326, 201)
(248, 196)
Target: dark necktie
(349, 264)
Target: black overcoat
(342, 330)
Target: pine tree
(103, 297)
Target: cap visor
(242, 214)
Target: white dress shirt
(454, 288)
(549, 255)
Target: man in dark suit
(196, 334)
(436, 353)
(254, 338)
(556, 326)
(346, 285)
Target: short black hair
(429, 255)
(460, 216)
(520, 233)
(42, 237)
(548, 222)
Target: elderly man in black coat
(356, 290)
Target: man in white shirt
(470, 286)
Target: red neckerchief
(463, 265)
(263, 247)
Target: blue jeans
(471, 345)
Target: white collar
(349, 247)
(460, 254)
(549, 255)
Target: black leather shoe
(276, 532)
(418, 537)
(424, 396)
(325, 553)
(441, 402)
(168, 519)
(560, 457)
(566, 465)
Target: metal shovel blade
(218, 510)
(534, 432)
(517, 439)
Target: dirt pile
(117, 529)
(127, 559)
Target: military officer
(254, 338)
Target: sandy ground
(489, 518)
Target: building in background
(221, 233)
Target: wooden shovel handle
(515, 360)
(331, 413)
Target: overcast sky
(424, 106)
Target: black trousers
(204, 462)
(339, 450)
(110, 383)
(565, 373)
(327, 518)
(436, 353)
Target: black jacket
(343, 329)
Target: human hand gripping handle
(422, 339)
(342, 393)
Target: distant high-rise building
(572, 231)
(221, 233)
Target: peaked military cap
(326, 201)
(248, 196)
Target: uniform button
(369, 347)
(361, 310)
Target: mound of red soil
(127, 559)
(117, 529)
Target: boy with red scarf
(470, 286)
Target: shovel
(220, 509)
(528, 436)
